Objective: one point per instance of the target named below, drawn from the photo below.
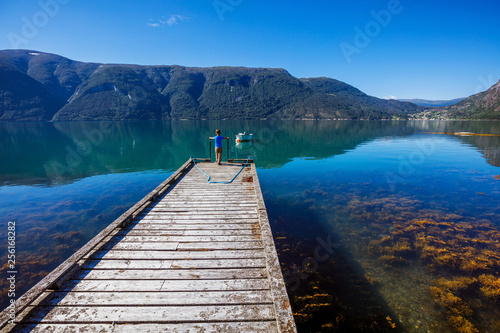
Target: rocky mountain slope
(38, 86)
(485, 105)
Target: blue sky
(407, 49)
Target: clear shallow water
(373, 220)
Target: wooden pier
(189, 257)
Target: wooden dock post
(190, 256)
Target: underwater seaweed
(490, 286)
(461, 254)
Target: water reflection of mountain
(489, 147)
(55, 153)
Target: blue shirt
(218, 141)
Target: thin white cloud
(390, 97)
(170, 21)
(175, 19)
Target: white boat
(243, 137)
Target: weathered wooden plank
(185, 226)
(253, 245)
(216, 285)
(229, 168)
(218, 232)
(140, 232)
(164, 285)
(206, 211)
(255, 327)
(206, 203)
(193, 214)
(174, 232)
(195, 174)
(240, 232)
(212, 187)
(127, 264)
(173, 274)
(134, 232)
(218, 217)
(219, 263)
(214, 169)
(202, 183)
(162, 236)
(217, 173)
(221, 178)
(200, 209)
(172, 246)
(170, 219)
(204, 200)
(119, 285)
(201, 215)
(227, 174)
(140, 314)
(157, 298)
(206, 197)
(166, 255)
(185, 194)
(214, 192)
(242, 192)
(225, 170)
(206, 206)
(242, 181)
(159, 246)
(174, 264)
(226, 193)
(243, 232)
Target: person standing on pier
(218, 146)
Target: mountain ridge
(38, 86)
(67, 90)
(431, 103)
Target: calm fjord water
(377, 223)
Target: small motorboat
(243, 137)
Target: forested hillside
(47, 87)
